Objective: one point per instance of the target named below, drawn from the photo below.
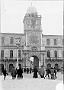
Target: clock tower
(33, 35)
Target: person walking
(19, 72)
(41, 72)
(35, 72)
(52, 73)
(55, 71)
(47, 72)
(30, 70)
(13, 73)
(5, 73)
(27, 70)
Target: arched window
(55, 42)
(2, 54)
(11, 53)
(48, 41)
(2, 40)
(55, 53)
(11, 40)
(19, 53)
(48, 53)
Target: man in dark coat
(27, 70)
(4, 73)
(13, 73)
(19, 72)
(55, 71)
(35, 73)
(30, 70)
(47, 72)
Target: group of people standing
(50, 72)
(14, 72)
(18, 72)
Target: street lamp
(43, 59)
(6, 65)
(17, 41)
(5, 61)
(25, 59)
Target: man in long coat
(35, 73)
(19, 72)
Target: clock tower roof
(31, 9)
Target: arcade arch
(34, 61)
(1, 67)
(10, 67)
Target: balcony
(53, 59)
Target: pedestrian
(35, 72)
(19, 72)
(27, 70)
(5, 73)
(13, 72)
(24, 70)
(30, 70)
(55, 72)
(52, 73)
(48, 72)
(41, 72)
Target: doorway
(35, 61)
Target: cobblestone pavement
(29, 83)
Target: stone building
(32, 48)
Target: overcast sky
(13, 12)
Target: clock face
(33, 39)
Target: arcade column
(43, 59)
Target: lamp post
(43, 59)
(5, 61)
(25, 59)
(17, 57)
(6, 65)
(17, 41)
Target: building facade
(32, 48)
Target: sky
(13, 12)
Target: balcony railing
(54, 59)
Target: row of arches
(35, 64)
(56, 66)
(2, 67)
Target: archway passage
(36, 61)
(57, 66)
(1, 67)
(10, 67)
